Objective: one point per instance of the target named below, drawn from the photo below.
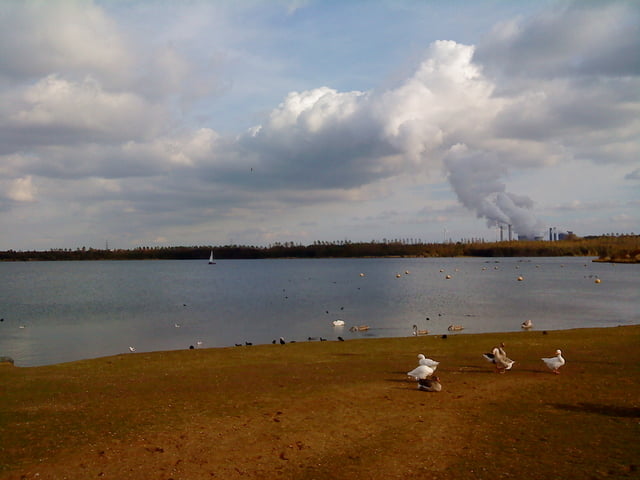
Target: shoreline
(8, 360)
(332, 410)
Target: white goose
(422, 360)
(421, 372)
(554, 363)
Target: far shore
(332, 410)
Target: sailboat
(211, 260)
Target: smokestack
(510, 237)
(550, 234)
(501, 230)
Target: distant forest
(608, 248)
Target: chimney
(510, 237)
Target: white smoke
(476, 179)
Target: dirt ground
(332, 410)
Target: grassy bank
(332, 410)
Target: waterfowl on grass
(422, 360)
(430, 384)
(420, 372)
(527, 324)
(554, 363)
(499, 358)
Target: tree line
(618, 248)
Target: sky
(181, 123)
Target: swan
(422, 360)
(132, 349)
(554, 363)
(527, 324)
(417, 332)
(430, 384)
(338, 323)
(421, 372)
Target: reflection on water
(75, 310)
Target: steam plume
(475, 177)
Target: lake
(55, 312)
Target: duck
(417, 332)
(499, 358)
(422, 360)
(455, 328)
(338, 323)
(421, 372)
(430, 384)
(359, 328)
(554, 363)
(527, 324)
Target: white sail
(211, 260)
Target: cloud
(323, 138)
(55, 110)
(568, 39)
(21, 190)
(633, 175)
(40, 37)
(100, 114)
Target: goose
(455, 328)
(430, 384)
(554, 363)
(527, 324)
(420, 372)
(417, 332)
(499, 358)
(422, 360)
(282, 342)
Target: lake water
(56, 312)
